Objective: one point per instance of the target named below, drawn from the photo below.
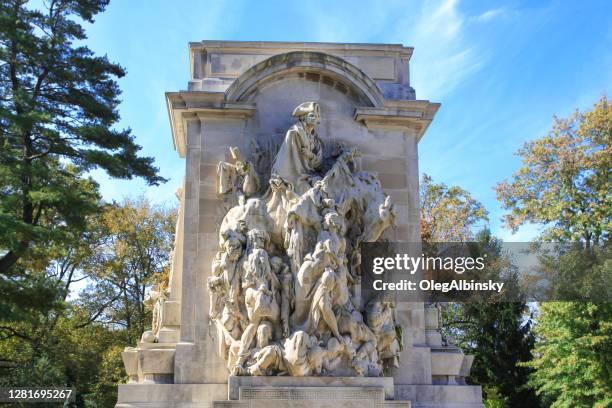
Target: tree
(132, 255)
(122, 252)
(110, 373)
(448, 214)
(564, 182)
(86, 358)
(573, 356)
(573, 367)
(36, 290)
(497, 332)
(58, 108)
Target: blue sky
(501, 70)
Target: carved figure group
(283, 289)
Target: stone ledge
(169, 395)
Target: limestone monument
(296, 154)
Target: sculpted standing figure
(381, 321)
(155, 300)
(287, 292)
(332, 235)
(237, 178)
(322, 317)
(302, 150)
(224, 291)
(259, 285)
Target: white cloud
(488, 15)
(443, 56)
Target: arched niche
(329, 66)
(279, 84)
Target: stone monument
(296, 154)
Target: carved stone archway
(307, 62)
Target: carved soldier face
(233, 248)
(276, 263)
(310, 119)
(257, 238)
(242, 227)
(264, 334)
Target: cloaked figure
(301, 153)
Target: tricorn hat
(305, 108)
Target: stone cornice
(416, 115)
(184, 106)
(275, 47)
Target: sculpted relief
(285, 285)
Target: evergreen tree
(58, 110)
(497, 332)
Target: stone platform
(266, 392)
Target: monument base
(299, 392)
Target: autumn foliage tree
(124, 252)
(448, 214)
(132, 254)
(564, 180)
